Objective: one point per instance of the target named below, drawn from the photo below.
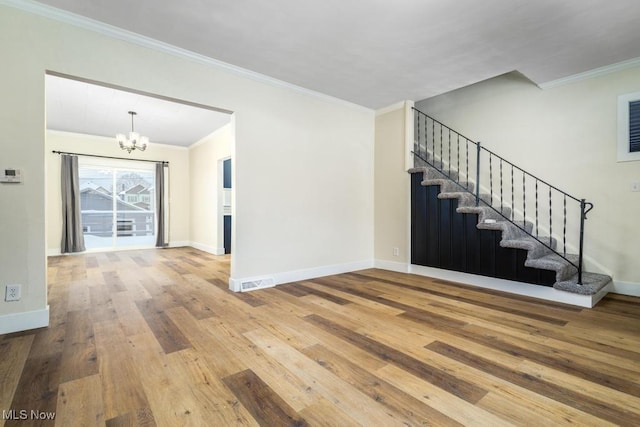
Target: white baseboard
(626, 288)
(518, 288)
(17, 322)
(176, 244)
(305, 274)
(207, 248)
(399, 267)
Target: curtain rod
(110, 157)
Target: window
(629, 127)
(634, 126)
(111, 217)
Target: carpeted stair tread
(526, 225)
(467, 186)
(483, 211)
(485, 200)
(534, 241)
(509, 230)
(453, 195)
(555, 258)
(548, 241)
(417, 169)
(424, 159)
(453, 175)
(535, 250)
(501, 225)
(429, 172)
(435, 181)
(554, 262)
(592, 283)
(456, 187)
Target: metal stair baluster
(564, 227)
(550, 218)
(537, 227)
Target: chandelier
(134, 141)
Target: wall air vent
(252, 285)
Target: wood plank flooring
(154, 338)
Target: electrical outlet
(396, 252)
(12, 293)
(635, 186)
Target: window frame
(624, 147)
(116, 165)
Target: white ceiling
(378, 52)
(75, 106)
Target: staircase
(524, 209)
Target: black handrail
(445, 154)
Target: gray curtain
(72, 235)
(160, 206)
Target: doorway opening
(226, 188)
(118, 205)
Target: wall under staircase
(444, 238)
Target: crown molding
(147, 42)
(390, 108)
(596, 72)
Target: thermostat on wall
(11, 175)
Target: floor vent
(252, 285)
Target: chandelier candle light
(135, 141)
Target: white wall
(178, 158)
(206, 204)
(391, 190)
(566, 135)
(303, 163)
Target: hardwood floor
(155, 338)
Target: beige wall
(391, 188)
(566, 135)
(303, 163)
(206, 203)
(177, 157)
